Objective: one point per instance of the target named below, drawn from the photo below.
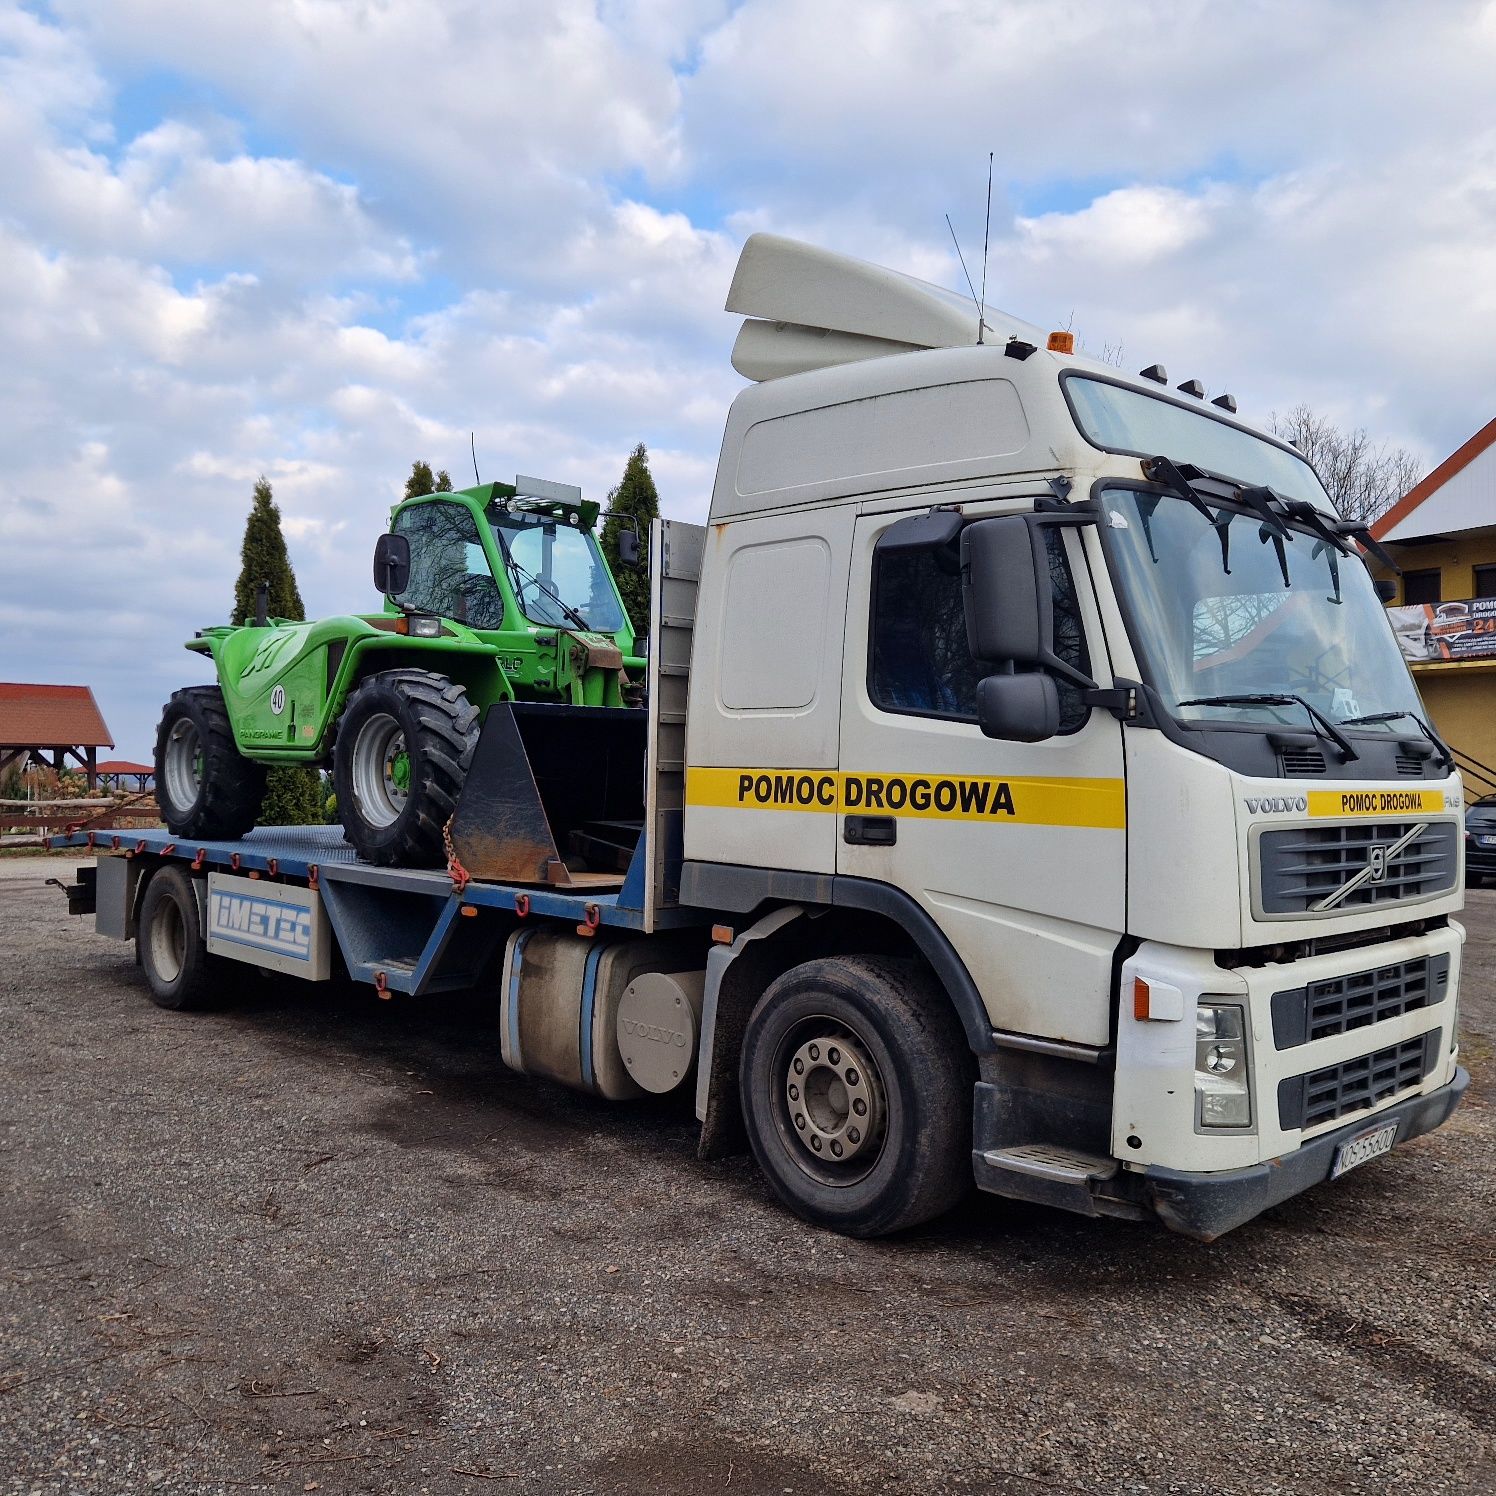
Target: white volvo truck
(1030, 792)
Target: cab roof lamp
(1226, 402)
(1156, 372)
(1061, 342)
(1192, 387)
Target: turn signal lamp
(1061, 342)
(1156, 1001)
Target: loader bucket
(555, 795)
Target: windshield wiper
(550, 592)
(1446, 753)
(1323, 726)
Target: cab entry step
(1048, 1174)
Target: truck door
(1016, 850)
(765, 694)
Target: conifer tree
(293, 793)
(263, 558)
(422, 481)
(637, 496)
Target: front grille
(1357, 1000)
(1300, 867)
(1410, 763)
(1323, 1095)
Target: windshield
(1118, 419)
(1208, 632)
(557, 572)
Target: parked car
(1480, 840)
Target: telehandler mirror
(1386, 589)
(628, 547)
(392, 564)
(1019, 708)
(1007, 592)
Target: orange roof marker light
(1061, 342)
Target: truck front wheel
(856, 1082)
(205, 787)
(405, 743)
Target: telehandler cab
(494, 595)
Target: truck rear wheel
(405, 743)
(856, 1082)
(169, 939)
(205, 787)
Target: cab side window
(918, 661)
(449, 571)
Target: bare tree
(1363, 477)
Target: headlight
(424, 626)
(1223, 1093)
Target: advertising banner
(1463, 630)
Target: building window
(1421, 586)
(1485, 581)
(919, 663)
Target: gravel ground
(324, 1243)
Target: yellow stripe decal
(1375, 802)
(946, 797)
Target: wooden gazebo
(51, 724)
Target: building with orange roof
(1442, 533)
(61, 721)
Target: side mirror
(1019, 708)
(628, 547)
(392, 564)
(1386, 588)
(1007, 591)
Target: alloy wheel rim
(183, 765)
(381, 770)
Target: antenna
(986, 240)
(473, 442)
(975, 302)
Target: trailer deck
(409, 930)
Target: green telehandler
(495, 596)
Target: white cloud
(352, 233)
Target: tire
(205, 787)
(169, 938)
(885, 1088)
(428, 720)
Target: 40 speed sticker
(952, 797)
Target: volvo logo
(1276, 803)
(1378, 859)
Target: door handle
(870, 831)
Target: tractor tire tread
(447, 724)
(233, 786)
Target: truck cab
(1075, 685)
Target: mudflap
(548, 788)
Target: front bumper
(1206, 1206)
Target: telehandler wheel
(405, 742)
(205, 787)
(169, 939)
(856, 1081)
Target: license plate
(1366, 1145)
(1487, 841)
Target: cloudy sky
(316, 239)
